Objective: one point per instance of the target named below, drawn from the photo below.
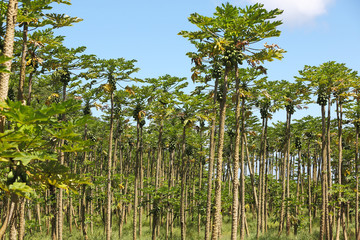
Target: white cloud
(297, 12)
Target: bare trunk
(23, 63)
(251, 171)
(28, 102)
(297, 211)
(183, 186)
(288, 124)
(324, 186)
(84, 202)
(108, 190)
(136, 181)
(10, 210)
(285, 174)
(141, 172)
(357, 179)
(242, 173)
(309, 188)
(329, 177)
(211, 166)
(157, 182)
(235, 202)
(339, 172)
(53, 212)
(22, 218)
(8, 52)
(217, 215)
(261, 186)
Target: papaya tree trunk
(23, 64)
(324, 183)
(217, 215)
(141, 176)
(235, 202)
(136, 181)
(339, 172)
(211, 166)
(109, 165)
(8, 50)
(21, 231)
(157, 182)
(242, 172)
(183, 186)
(10, 211)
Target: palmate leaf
(78, 147)
(22, 114)
(61, 20)
(6, 145)
(4, 59)
(26, 158)
(21, 189)
(53, 173)
(66, 134)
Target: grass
(192, 233)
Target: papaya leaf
(21, 189)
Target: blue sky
(314, 31)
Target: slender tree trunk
(53, 212)
(13, 233)
(10, 210)
(170, 185)
(329, 175)
(251, 171)
(141, 172)
(21, 231)
(217, 215)
(8, 50)
(28, 102)
(23, 64)
(285, 178)
(242, 173)
(60, 217)
(297, 211)
(339, 172)
(157, 181)
(357, 178)
(122, 211)
(288, 130)
(309, 188)
(261, 187)
(264, 179)
(200, 189)
(183, 186)
(324, 186)
(211, 166)
(108, 191)
(84, 202)
(235, 202)
(136, 181)
(38, 216)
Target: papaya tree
(162, 102)
(32, 16)
(322, 80)
(111, 71)
(229, 35)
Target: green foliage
(28, 150)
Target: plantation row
(164, 161)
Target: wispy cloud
(297, 12)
